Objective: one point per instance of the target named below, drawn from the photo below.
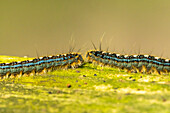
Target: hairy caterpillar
(40, 65)
(132, 63)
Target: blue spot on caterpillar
(40, 65)
(131, 63)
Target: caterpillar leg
(153, 70)
(19, 74)
(5, 76)
(32, 73)
(143, 69)
(42, 72)
(25, 75)
(134, 69)
(12, 75)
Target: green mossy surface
(93, 89)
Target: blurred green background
(48, 25)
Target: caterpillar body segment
(131, 63)
(40, 65)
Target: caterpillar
(131, 63)
(40, 65)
